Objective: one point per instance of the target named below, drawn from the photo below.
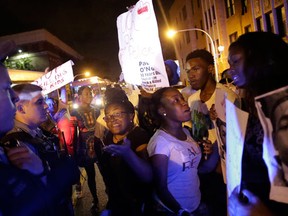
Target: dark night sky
(88, 26)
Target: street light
(86, 74)
(171, 33)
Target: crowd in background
(171, 161)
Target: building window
(206, 20)
(247, 28)
(210, 19)
(201, 26)
(230, 8)
(210, 48)
(233, 37)
(184, 12)
(213, 13)
(259, 24)
(244, 6)
(217, 44)
(269, 22)
(192, 7)
(281, 21)
(187, 37)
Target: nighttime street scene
(144, 108)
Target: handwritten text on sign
(56, 78)
(140, 52)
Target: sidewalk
(82, 205)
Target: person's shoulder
(46, 132)
(187, 92)
(158, 136)
(139, 130)
(159, 143)
(15, 136)
(139, 134)
(14, 130)
(194, 96)
(186, 89)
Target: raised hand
(23, 158)
(246, 205)
(119, 150)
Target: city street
(82, 205)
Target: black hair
(125, 104)
(117, 96)
(265, 61)
(81, 89)
(203, 54)
(114, 95)
(156, 103)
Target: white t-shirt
(202, 124)
(182, 174)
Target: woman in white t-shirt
(175, 157)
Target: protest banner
(56, 78)
(236, 121)
(140, 53)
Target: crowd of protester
(168, 163)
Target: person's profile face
(176, 108)
(35, 110)
(8, 99)
(236, 62)
(281, 131)
(197, 72)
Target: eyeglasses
(109, 118)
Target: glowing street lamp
(221, 49)
(86, 74)
(171, 33)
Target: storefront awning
(21, 76)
